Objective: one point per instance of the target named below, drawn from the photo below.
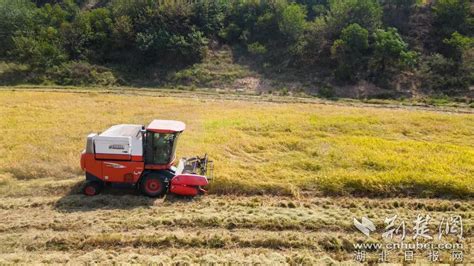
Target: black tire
(92, 188)
(153, 185)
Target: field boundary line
(174, 93)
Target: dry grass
(258, 147)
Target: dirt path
(232, 96)
(121, 226)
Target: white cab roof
(122, 130)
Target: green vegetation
(395, 45)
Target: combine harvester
(140, 157)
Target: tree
(390, 55)
(451, 16)
(39, 52)
(76, 37)
(123, 33)
(420, 28)
(350, 52)
(450, 74)
(89, 36)
(51, 16)
(458, 44)
(100, 38)
(165, 32)
(40, 45)
(293, 21)
(314, 8)
(324, 31)
(397, 13)
(350, 40)
(366, 13)
(445, 76)
(317, 48)
(15, 16)
(209, 15)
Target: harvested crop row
(108, 224)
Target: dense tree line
(379, 41)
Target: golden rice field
(258, 147)
(289, 179)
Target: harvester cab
(159, 141)
(144, 158)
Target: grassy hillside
(353, 48)
(258, 147)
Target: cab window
(160, 147)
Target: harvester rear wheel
(92, 188)
(153, 186)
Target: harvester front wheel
(153, 186)
(91, 188)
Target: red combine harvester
(140, 157)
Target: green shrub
(444, 75)
(329, 41)
(40, 52)
(449, 17)
(391, 56)
(350, 52)
(256, 48)
(15, 16)
(366, 13)
(327, 92)
(81, 74)
(293, 21)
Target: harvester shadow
(110, 199)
